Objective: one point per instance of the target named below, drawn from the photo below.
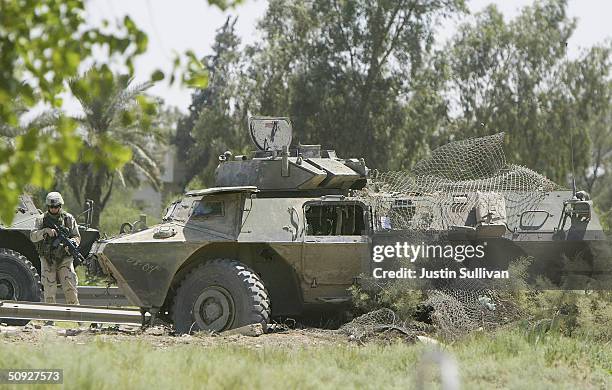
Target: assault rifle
(62, 238)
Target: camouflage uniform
(57, 263)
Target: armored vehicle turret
(277, 169)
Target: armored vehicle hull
(306, 251)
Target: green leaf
(197, 81)
(157, 75)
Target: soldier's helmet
(54, 199)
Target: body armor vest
(50, 247)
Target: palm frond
(45, 122)
(144, 161)
(156, 182)
(9, 132)
(124, 96)
(121, 178)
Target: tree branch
(108, 193)
(591, 183)
(344, 35)
(395, 37)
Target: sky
(180, 25)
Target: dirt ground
(161, 337)
(301, 358)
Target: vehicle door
(336, 242)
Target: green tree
(515, 77)
(348, 73)
(116, 127)
(590, 84)
(218, 113)
(41, 44)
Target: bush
(572, 313)
(404, 302)
(403, 296)
(121, 209)
(542, 309)
(116, 214)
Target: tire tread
(6, 252)
(259, 300)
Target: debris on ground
(251, 330)
(158, 330)
(427, 340)
(69, 332)
(8, 331)
(163, 338)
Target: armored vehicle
(19, 260)
(288, 230)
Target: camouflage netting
(447, 184)
(454, 313)
(439, 196)
(382, 320)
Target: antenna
(571, 142)
(572, 153)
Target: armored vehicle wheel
(19, 281)
(219, 295)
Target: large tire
(219, 295)
(19, 281)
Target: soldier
(56, 259)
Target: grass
(501, 360)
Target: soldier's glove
(50, 232)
